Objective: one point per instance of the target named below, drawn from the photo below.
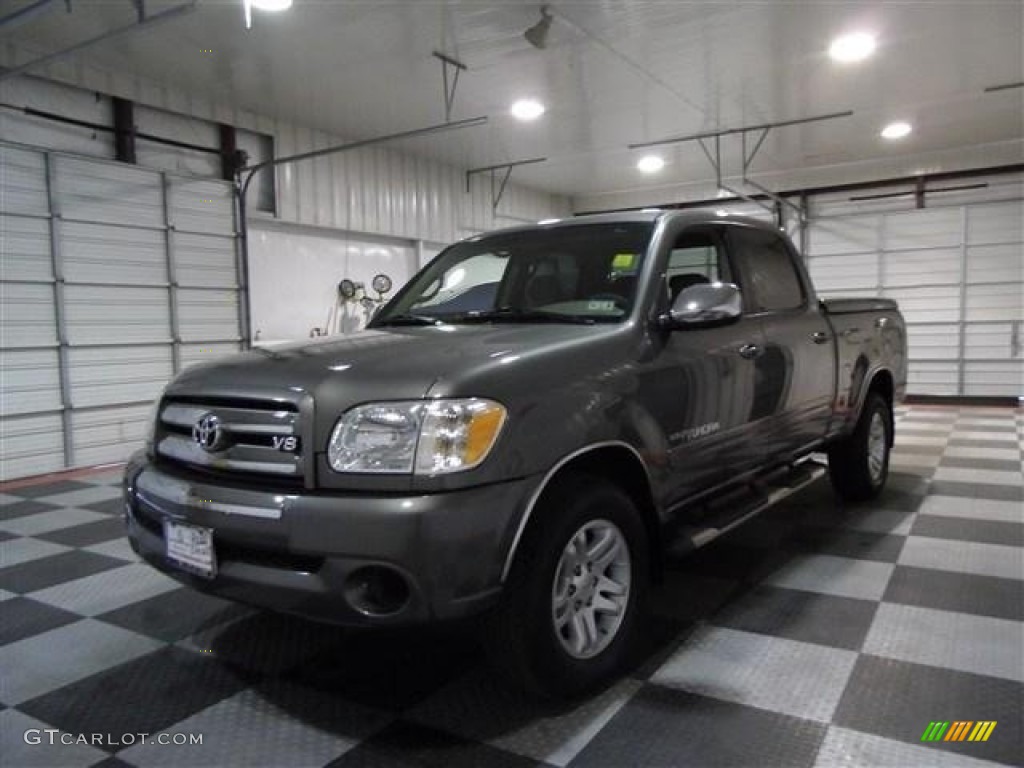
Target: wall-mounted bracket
(450, 70)
(498, 187)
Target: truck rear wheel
(573, 601)
(858, 465)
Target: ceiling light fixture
(270, 6)
(537, 35)
(855, 46)
(650, 164)
(897, 130)
(527, 110)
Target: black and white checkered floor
(815, 635)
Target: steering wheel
(620, 302)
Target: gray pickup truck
(522, 433)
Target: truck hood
(385, 364)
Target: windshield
(585, 273)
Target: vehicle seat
(677, 283)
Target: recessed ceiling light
(271, 5)
(897, 130)
(527, 109)
(650, 164)
(855, 46)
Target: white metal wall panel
(938, 266)
(29, 315)
(926, 228)
(98, 314)
(940, 341)
(107, 435)
(994, 302)
(111, 376)
(989, 341)
(993, 378)
(933, 378)
(1002, 263)
(22, 181)
(30, 381)
(194, 354)
(208, 315)
(935, 304)
(996, 223)
(110, 193)
(31, 445)
(101, 253)
(845, 236)
(202, 206)
(845, 272)
(25, 248)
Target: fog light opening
(377, 591)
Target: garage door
(113, 279)
(956, 272)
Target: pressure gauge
(381, 284)
(347, 289)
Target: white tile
(943, 428)
(831, 575)
(19, 732)
(119, 548)
(911, 459)
(982, 476)
(54, 520)
(106, 591)
(903, 440)
(258, 729)
(5, 595)
(969, 452)
(978, 644)
(51, 660)
(84, 496)
(799, 679)
(980, 423)
(974, 509)
(844, 748)
(17, 551)
(6, 499)
(963, 557)
(1003, 437)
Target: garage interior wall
(116, 276)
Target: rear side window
(767, 274)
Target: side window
(695, 258)
(767, 274)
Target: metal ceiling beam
(498, 188)
(142, 21)
(29, 11)
(1004, 87)
(745, 129)
(449, 64)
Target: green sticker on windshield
(623, 260)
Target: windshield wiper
(407, 319)
(518, 315)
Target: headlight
(421, 437)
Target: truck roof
(689, 216)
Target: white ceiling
(615, 72)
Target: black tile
(962, 592)
(389, 671)
(140, 696)
(898, 500)
(23, 508)
(897, 700)
(911, 429)
(23, 618)
(978, 490)
(175, 615)
(663, 727)
(839, 622)
(993, 464)
(860, 545)
(49, 489)
(112, 762)
(964, 529)
(56, 569)
(5, 536)
(107, 506)
(88, 534)
(407, 745)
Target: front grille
(231, 438)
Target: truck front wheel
(573, 601)
(859, 464)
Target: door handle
(750, 351)
(819, 337)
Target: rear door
(796, 369)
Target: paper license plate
(191, 548)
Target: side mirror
(703, 306)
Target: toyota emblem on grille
(208, 434)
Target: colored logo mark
(959, 730)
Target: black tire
(520, 637)
(856, 475)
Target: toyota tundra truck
(521, 435)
